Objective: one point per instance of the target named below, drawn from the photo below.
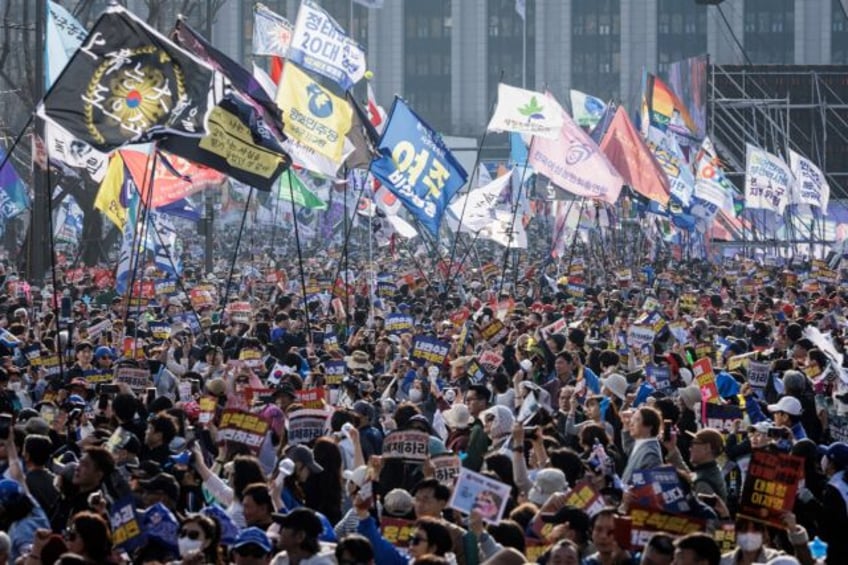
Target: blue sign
(417, 167)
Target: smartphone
(667, 430)
(5, 426)
(195, 386)
(65, 309)
(103, 402)
(151, 395)
(109, 388)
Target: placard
(200, 298)
(334, 372)
(659, 488)
(242, 427)
(305, 426)
(491, 360)
(164, 286)
(446, 468)
(98, 329)
(476, 372)
(240, 312)
(207, 404)
(397, 531)
(398, 323)
(720, 416)
(160, 331)
(494, 331)
(32, 354)
(585, 496)
(408, 445)
(136, 379)
(770, 487)
(51, 365)
(725, 537)
(637, 336)
(311, 398)
(703, 373)
(474, 491)
(758, 375)
(126, 530)
(644, 523)
(189, 319)
(428, 349)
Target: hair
(246, 471)
(523, 514)
(404, 412)
(662, 543)
(704, 546)
(569, 462)
(609, 358)
(501, 465)
(95, 534)
(651, 418)
(481, 391)
(605, 511)
(565, 356)
(212, 531)
(508, 533)
(440, 492)
(166, 425)
(437, 534)
(590, 432)
(38, 448)
(565, 542)
(357, 546)
(124, 407)
(260, 494)
(102, 459)
(430, 559)
(818, 356)
(323, 491)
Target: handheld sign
(474, 491)
(406, 445)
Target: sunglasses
(190, 534)
(253, 551)
(415, 540)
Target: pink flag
(630, 156)
(574, 163)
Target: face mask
(824, 462)
(187, 545)
(415, 395)
(749, 541)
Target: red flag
(376, 115)
(630, 156)
(276, 69)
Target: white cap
(788, 404)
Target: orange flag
(628, 153)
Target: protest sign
(702, 370)
(334, 372)
(645, 522)
(252, 359)
(386, 290)
(586, 497)
(659, 489)
(494, 331)
(126, 530)
(476, 372)
(33, 354)
(201, 298)
(406, 445)
(306, 425)
(660, 378)
(165, 286)
(688, 302)
(770, 487)
(242, 427)
(720, 416)
(559, 326)
(311, 398)
(534, 549)
(94, 377)
(398, 323)
(207, 404)
(98, 329)
(704, 350)
(189, 319)
(136, 379)
(132, 348)
(743, 360)
(446, 468)
(758, 374)
(428, 349)
(51, 365)
(184, 390)
(491, 360)
(331, 341)
(838, 427)
(160, 331)
(637, 336)
(397, 531)
(474, 491)
(240, 312)
(725, 537)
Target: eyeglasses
(190, 534)
(251, 550)
(71, 534)
(416, 539)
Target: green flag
(302, 196)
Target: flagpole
(345, 247)
(56, 312)
(514, 214)
(222, 304)
(299, 258)
(524, 49)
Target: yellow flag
(312, 115)
(108, 198)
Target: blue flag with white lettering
(417, 167)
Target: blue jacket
(384, 552)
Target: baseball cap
(711, 437)
(11, 492)
(302, 454)
(300, 519)
(164, 483)
(836, 452)
(253, 536)
(788, 404)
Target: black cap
(300, 519)
(577, 519)
(164, 483)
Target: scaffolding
(778, 108)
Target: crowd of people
(685, 413)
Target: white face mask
(749, 541)
(415, 395)
(187, 545)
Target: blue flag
(13, 193)
(417, 167)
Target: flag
(68, 222)
(526, 112)
(586, 110)
(521, 9)
(631, 158)
(484, 177)
(237, 143)
(668, 154)
(272, 33)
(268, 84)
(114, 191)
(498, 230)
(768, 180)
(167, 250)
(518, 154)
(175, 177)
(476, 209)
(417, 166)
(292, 189)
(63, 146)
(125, 266)
(322, 46)
(313, 115)
(711, 184)
(14, 198)
(181, 209)
(127, 83)
(362, 136)
(376, 113)
(810, 186)
(370, 3)
(64, 34)
(665, 110)
(574, 163)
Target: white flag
(521, 8)
(64, 35)
(810, 186)
(586, 110)
(768, 180)
(526, 112)
(322, 46)
(483, 176)
(63, 146)
(272, 33)
(498, 230)
(711, 185)
(479, 205)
